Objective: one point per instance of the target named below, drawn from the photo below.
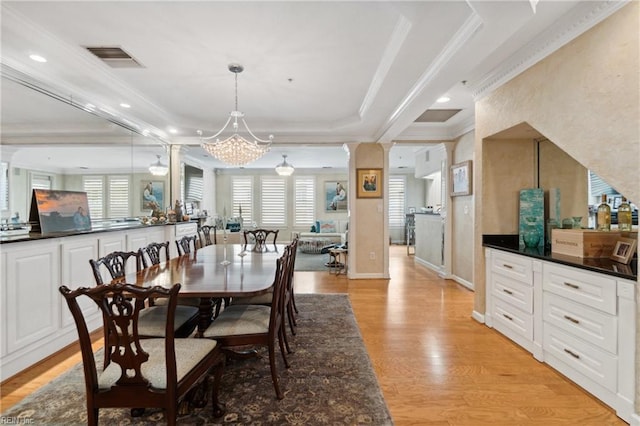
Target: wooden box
(583, 242)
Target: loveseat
(331, 230)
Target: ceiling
(316, 75)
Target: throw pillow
(327, 226)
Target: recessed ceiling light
(172, 130)
(38, 58)
(123, 105)
(443, 99)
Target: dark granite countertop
(509, 243)
(118, 226)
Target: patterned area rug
(330, 382)
(311, 262)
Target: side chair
(115, 263)
(242, 325)
(185, 244)
(206, 232)
(161, 372)
(259, 238)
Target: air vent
(115, 57)
(437, 115)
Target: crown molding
(579, 20)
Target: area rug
(311, 262)
(330, 382)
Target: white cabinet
(181, 230)
(510, 297)
(580, 322)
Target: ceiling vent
(437, 115)
(115, 57)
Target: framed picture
(369, 183)
(59, 211)
(624, 250)
(335, 195)
(616, 202)
(461, 179)
(152, 196)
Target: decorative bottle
(604, 215)
(624, 216)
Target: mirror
(50, 143)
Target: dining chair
(184, 244)
(205, 233)
(242, 325)
(259, 237)
(153, 317)
(154, 252)
(146, 373)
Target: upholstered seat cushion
(187, 301)
(239, 320)
(189, 352)
(153, 319)
(260, 299)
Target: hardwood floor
(435, 364)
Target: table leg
(206, 313)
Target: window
(273, 198)
(4, 187)
(305, 201)
(397, 187)
(118, 196)
(194, 184)
(93, 186)
(41, 181)
(242, 190)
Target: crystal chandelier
(236, 150)
(158, 169)
(284, 168)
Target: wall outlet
(372, 255)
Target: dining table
(219, 271)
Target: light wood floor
(435, 364)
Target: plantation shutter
(118, 197)
(242, 190)
(273, 198)
(93, 186)
(397, 185)
(4, 187)
(305, 201)
(40, 181)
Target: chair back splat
(141, 373)
(206, 233)
(186, 244)
(154, 252)
(259, 237)
(115, 263)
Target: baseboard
(477, 316)
(463, 282)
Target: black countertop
(509, 243)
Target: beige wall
(584, 98)
(461, 211)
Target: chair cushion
(153, 319)
(260, 299)
(189, 352)
(187, 301)
(239, 320)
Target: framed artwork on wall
(461, 179)
(335, 195)
(152, 196)
(369, 183)
(59, 211)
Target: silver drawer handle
(576, 356)
(504, 265)
(507, 291)
(572, 285)
(573, 320)
(507, 317)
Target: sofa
(334, 231)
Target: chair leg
(171, 414)
(293, 302)
(92, 416)
(291, 319)
(274, 372)
(218, 408)
(282, 339)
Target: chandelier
(158, 169)
(236, 150)
(284, 168)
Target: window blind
(273, 198)
(94, 187)
(40, 181)
(118, 197)
(397, 189)
(4, 186)
(242, 190)
(305, 201)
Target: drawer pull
(572, 285)
(507, 291)
(504, 265)
(507, 317)
(573, 320)
(576, 356)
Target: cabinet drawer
(512, 318)
(592, 362)
(513, 266)
(513, 292)
(595, 290)
(186, 229)
(591, 325)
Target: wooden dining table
(214, 272)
